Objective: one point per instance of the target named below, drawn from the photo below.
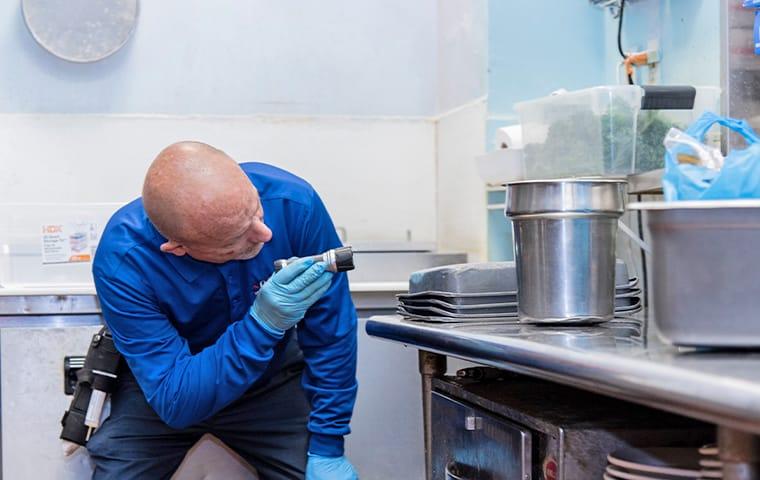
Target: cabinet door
(470, 444)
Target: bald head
(193, 191)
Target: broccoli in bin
(583, 143)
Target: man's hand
(329, 468)
(283, 300)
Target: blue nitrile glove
(329, 468)
(283, 300)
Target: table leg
(740, 454)
(431, 365)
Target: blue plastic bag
(738, 178)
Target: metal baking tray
(636, 292)
(498, 308)
(481, 299)
(626, 302)
(622, 305)
(473, 278)
(434, 302)
(463, 298)
(439, 312)
(413, 317)
(466, 278)
(436, 319)
(629, 310)
(633, 282)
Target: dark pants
(266, 426)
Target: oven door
(470, 444)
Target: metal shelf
(625, 358)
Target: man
(184, 277)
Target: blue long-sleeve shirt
(183, 325)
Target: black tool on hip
(96, 380)
(337, 260)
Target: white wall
(368, 57)
(345, 93)
(377, 176)
(462, 56)
(462, 214)
(460, 134)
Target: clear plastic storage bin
(46, 245)
(653, 125)
(580, 133)
(602, 131)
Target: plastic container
(653, 125)
(581, 133)
(605, 130)
(705, 271)
(50, 245)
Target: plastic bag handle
(700, 128)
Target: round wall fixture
(80, 30)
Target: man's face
(244, 240)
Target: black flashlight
(337, 260)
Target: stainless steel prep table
(622, 359)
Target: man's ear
(174, 248)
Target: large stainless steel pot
(564, 237)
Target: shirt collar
(188, 267)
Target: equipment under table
(624, 359)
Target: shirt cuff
(326, 445)
(277, 333)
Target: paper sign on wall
(69, 242)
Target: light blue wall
(688, 35)
(369, 57)
(691, 42)
(538, 46)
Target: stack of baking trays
(487, 292)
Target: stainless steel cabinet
(470, 444)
